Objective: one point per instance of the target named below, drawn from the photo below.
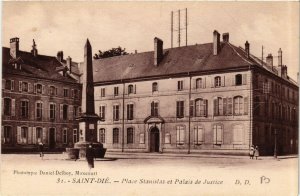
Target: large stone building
(41, 98)
(204, 98)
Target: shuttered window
(130, 136)
(115, 135)
(218, 134)
(180, 109)
(198, 135)
(238, 134)
(180, 139)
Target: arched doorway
(154, 139)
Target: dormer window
(39, 88)
(217, 81)
(154, 87)
(238, 79)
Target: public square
(149, 174)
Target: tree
(110, 53)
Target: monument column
(88, 119)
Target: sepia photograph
(149, 98)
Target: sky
(65, 26)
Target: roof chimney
(279, 57)
(216, 42)
(225, 37)
(34, 51)
(247, 49)
(158, 51)
(69, 64)
(269, 60)
(60, 56)
(284, 71)
(14, 47)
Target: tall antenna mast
(177, 14)
(172, 29)
(178, 28)
(262, 55)
(185, 26)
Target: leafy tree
(110, 53)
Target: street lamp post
(275, 146)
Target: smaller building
(41, 97)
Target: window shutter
(178, 135)
(3, 83)
(2, 106)
(70, 112)
(225, 106)
(212, 82)
(192, 102)
(215, 106)
(135, 89)
(20, 86)
(29, 135)
(233, 80)
(244, 79)
(204, 82)
(34, 88)
(61, 111)
(246, 105)
(29, 87)
(215, 134)
(223, 81)
(55, 91)
(182, 135)
(72, 93)
(18, 134)
(2, 133)
(205, 107)
(79, 111)
(34, 135)
(43, 89)
(44, 136)
(219, 135)
(12, 85)
(13, 107)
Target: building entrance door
(51, 138)
(154, 140)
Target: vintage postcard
(149, 98)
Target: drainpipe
(189, 103)
(123, 113)
(251, 107)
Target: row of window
(278, 110)
(199, 135)
(199, 83)
(198, 108)
(67, 112)
(39, 89)
(34, 135)
(268, 86)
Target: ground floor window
(7, 135)
(238, 134)
(130, 136)
(180, 134)
(24, 135)
(115, 135)
(39, 134)
(65, 136)
(198, 135)
(75, 136)
(102, 135)
(218, 134)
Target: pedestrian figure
(41, 149)
(251, 151)
(256, 152)
(90, 156)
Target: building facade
(40, 100)
(208, 98)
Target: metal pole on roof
(171, 29)
(262, 55)
(185, 26)
(178, 28)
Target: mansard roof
(41, 66)
(187, 59)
